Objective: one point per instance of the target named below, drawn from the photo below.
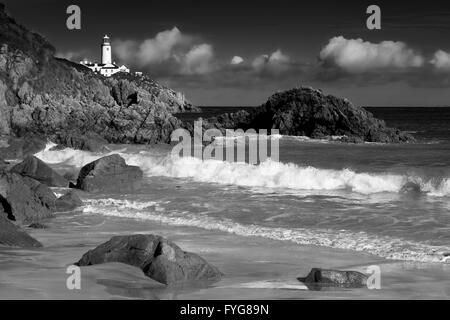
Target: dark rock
(37, 225)
(12, 235)
(411, 188)
(24, 199)
(157, 257)
(18, 148)
(68, 202)
(88, 142)
(308, 112)
(109, 173)
(3, 164)
(70, 176)
(35, 168)
(334, 278)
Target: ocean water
(391, 201)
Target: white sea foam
(383, 246)
(269, 174)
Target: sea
(391, 200)
(388, 202)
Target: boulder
(334, 278)
(18, 148)
(12, 235)
(24, 199)
(35, 168)
(157, 257)
(110, 173)
(68, 202)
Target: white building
(106, 68)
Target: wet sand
(254, 268)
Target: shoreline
(254, 267)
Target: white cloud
(199, 60)
(358, 56)
(237, 60)
(75, 56)
(441, 60)
(276, 61)
(169, 49)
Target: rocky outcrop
(12, 235)
(68, 202)
(36, 169)
(24, 199)
(334, 278)
(110, 173)
(309, 112)
(63, 101)
(157, 257)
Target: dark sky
(280, 44)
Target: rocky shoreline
(44, 98)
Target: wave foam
(383, 246)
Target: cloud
(169, 52)
(199, 60)
(275, 62)
(358, 56)
(75, 56)
(236, 60)
(441, 60)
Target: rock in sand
(157, 257)
(334, 278)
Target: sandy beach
(254, 268)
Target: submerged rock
(411, 188)
(157, 257)
(334, 278)
(12, 235)
(35, 168)
(24, 199)
(110, 173)
(68, 202)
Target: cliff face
(309, 112)
(44, 95)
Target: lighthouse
(107, 67)
(106, 51)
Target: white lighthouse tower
(107, 67)
(106, 51)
